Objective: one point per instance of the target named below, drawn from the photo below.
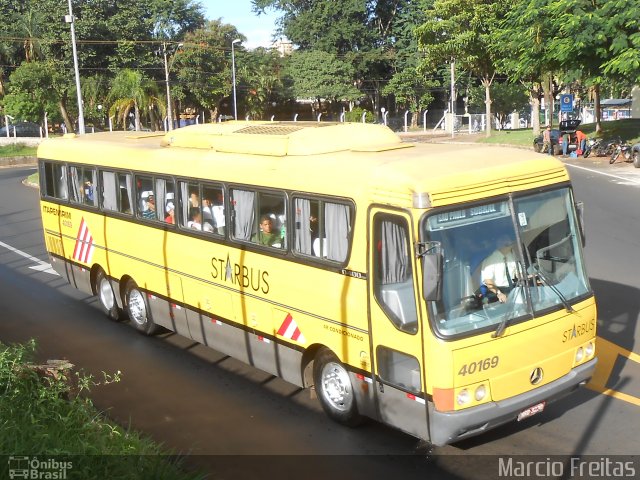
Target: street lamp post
(69, 19)
(233, 76)
(165, 54)
(166, 77)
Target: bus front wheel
(138, 309)
(334, 389)
(106, 296)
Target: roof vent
(269, 130)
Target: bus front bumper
(449, 427)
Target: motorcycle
(621, 150)
(600, 147)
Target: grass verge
(18, 150)
(43, 412)
(628, 130)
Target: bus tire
(138, 309)
(334, 389)
(107, 297)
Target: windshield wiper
(508, 315)
(555, 289)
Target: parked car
(635, 155)
(566, 126)
(22, 129)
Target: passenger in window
(194, 200)
(196, 221)
(150, 208)
(218, 213)
(207, 213)
(171, 211)
(88, 192)
(267, 234)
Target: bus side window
(146, 199)
(55, 180)
(243, 214)
(82, 182)
(125, 195)
(89, 196)
(271, 227)
(393, 286)
(322, 229)
(109, 190)
(213, 212)
(189, 203)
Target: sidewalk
(439, 136)
(17, 161)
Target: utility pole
(453, 98)
(233, 75)
(166, 77)
(69, 19)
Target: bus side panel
(81, 278)
(160, 312)
(365, 395)
(404, 411)
(227, 339)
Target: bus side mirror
(432, 275)
(580, 213)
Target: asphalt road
(214, 409)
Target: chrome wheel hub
(336, 386)
(137, 307)
(106, 294)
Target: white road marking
(624, 179)
(40, 267)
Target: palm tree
(131, 90)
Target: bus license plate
(528, 412)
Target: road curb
(19, 161)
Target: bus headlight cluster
(481, 392)
(585, 352)
(477, 393)
(463, 397)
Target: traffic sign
(566, 102)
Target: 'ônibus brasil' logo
(84, 244)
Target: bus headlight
(579, 355)
(589, 349)
(463, 397)
(481, 392)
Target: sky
(257, 29)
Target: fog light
(481, 391)
(589, 349)
(579, 355)
(463, 397)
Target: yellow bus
(439, 289)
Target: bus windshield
(507, 261)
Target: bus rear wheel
(138, 309)
(107, 298)
(334, 389)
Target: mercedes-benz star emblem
(536, 376)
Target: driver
(498, 272)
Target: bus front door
(396, 329)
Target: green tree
(600, 38)
(412, 91)
(363, 33)
(35, 88)
(130, 90)
(203, 66)
(506, 99)
(463, 31)
(321, 76)
(259, 77)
